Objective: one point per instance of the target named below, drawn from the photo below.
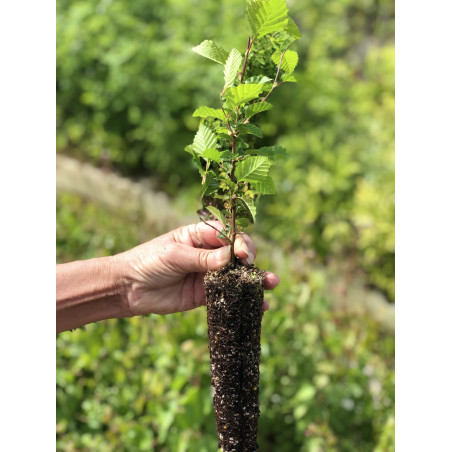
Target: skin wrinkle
(198, 243)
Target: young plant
(234, 173)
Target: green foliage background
(128, 84)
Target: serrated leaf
(289, 61)
(250, 129)
(269, 151)
(217, 214)
(252, 169)
(232, 67)
(210, 184)
(289, 78)
(239, 95)
(204, 112)
(246, 209)
(257, 107)
(266, 16)
(212, 51)
(204, 139)
(265, 187)
(212, 155)
(292, 28)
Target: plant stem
(213, 227)
(275, 84)
(233, 228)
(248, 50)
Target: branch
(276, 77)
(223, 235)
(248, 50)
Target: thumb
(195, 260)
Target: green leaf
(266, 16)
(223, 235)
(239, 95)
(292, 29)
(289, 78)
(242, 222)
(260, 79)
(289, 61)
(267, 83)
(227, 156)
(250, 129)
(257, 107)
(204, 112)
(217, 214)
(246, 209)
(265, 187)
(211, 50)
(230, 185)
(210, 184)
(269, 151)
(222, 130)
(204, 139)
(252, 169)
(211, 154)
(231, 67)
(196, 159)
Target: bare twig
(248, 50)
(223, 235)
(276, 77)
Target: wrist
(118, 266)
(124, 268)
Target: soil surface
(234, 315)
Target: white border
(27, 225)
(423, 226)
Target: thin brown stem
(232, 177)
(248, 50)
(213, 227)
(275, 84)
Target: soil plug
(234, 314)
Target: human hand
(165, 275)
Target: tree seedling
(234, 174)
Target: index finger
(201, 235)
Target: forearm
(89, 291)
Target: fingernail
(243, 246)
(250, 258)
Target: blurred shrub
(336, 189)
(327, 379)
(128, 80)
(128, 84)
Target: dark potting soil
(235, 295)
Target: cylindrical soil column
(235, 295)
